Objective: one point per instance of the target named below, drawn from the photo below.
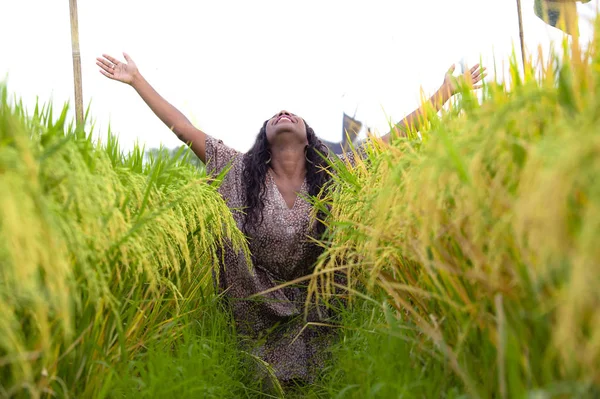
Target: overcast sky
(230, 64)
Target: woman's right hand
(112, 68)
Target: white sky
(231, 64)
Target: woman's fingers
(111, 59)
(474, 69)
(477, 70)
(108, 75)
(103, 64)
(105, 68)
(477, 74)
(479, 77)
(474, 76)
(106, 65)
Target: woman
(269, 183)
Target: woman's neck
(288, 162)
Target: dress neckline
(278, 192)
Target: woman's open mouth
(284, 117)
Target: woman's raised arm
(442, 95)
(127, 72)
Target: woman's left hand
(473, 76)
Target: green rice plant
(204, 362)
(373, 358)
(482, 234)
(101, 254)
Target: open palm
(114, 69)
(473, 76)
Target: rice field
(103, 254)
(482, 236)
(470, 250)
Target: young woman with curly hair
(266, 189)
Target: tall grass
(204, 362)
(483, 234)
(102, 254)
(374, 359)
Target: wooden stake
(76, 62)
(521, 35)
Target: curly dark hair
(256, 167)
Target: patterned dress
(272, 326)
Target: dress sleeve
(351, 156)
(218, 156)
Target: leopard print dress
(273, 326)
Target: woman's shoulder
(220, 156)
(352, 154)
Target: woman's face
(284, 124)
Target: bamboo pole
(521, 34)
(76, 62)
